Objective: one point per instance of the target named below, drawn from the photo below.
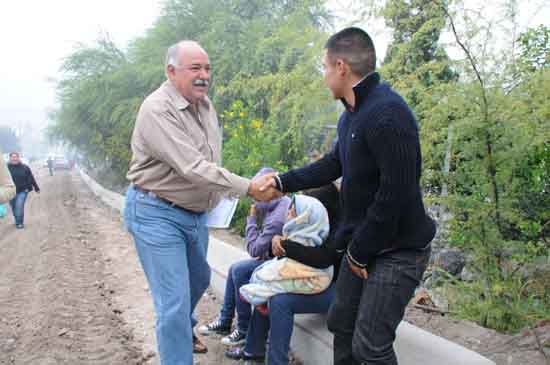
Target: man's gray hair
(172, 55)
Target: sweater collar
(361, 90)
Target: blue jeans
(365, 313)
(171, 244)
(18, 206)
(280, 323)
(239, 275)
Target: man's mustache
(201, 82)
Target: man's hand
(358, 271)
(277, 245)
(252, 210)
(256, 192)
(268, 181)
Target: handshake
(264, 188)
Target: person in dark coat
(24, 183)
(384, 228)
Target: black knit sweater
(378, 157)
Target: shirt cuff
(279, 183)
(251, 220)
(239, 186)
(355, 262)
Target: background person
(50, 165)
(24, 183)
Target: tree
(501, 151)
(102, 86)
(418, 66)
(535, 48)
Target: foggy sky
(36, 35)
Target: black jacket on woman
(23, 178)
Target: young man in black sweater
(24, 183)
(384, 231)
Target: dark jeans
(280, 323)
(18, 206)
(366, 313)
(239, 274)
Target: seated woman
(258, 245)
(279, 323)
(307, 224)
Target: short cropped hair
(355, 47)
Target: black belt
(156, 196)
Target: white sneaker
(216, 327)
(234, 339)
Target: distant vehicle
(61, 163)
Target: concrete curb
(112, 199)
(311, 341)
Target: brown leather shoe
(198, 346)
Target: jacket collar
(361, 90)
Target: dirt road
(71, 288)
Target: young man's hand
(357, 270)
(261, 190)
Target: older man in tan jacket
(176, 178)
(7, 187)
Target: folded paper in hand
(221, 215)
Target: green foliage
(505, 304)
(497, 152)
(535, 48)
(238, 224)
(499, 199)
(418, 66)
(250, 144)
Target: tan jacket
(7, 187)
(177, 154)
